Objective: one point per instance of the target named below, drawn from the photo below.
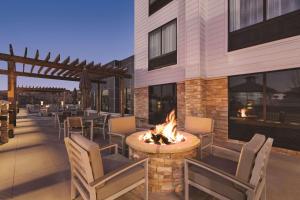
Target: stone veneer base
(166, 162)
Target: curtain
(155, 44)
(169, 38)
(280, 7)
(244, 13)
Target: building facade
(218, 58)
(109, 90)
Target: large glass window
(246, 97)
(163, 46)
(283, 100)
(266, 103)
(162, 100)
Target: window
(105, 100)
(266, 103)
(155, 5)
(253, 22)
(244, 13)
(128, 101)
(162, 100)
(163, 46)
(280, 7)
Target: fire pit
(166, 148)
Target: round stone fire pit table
(166, 162)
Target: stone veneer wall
(180, 104)
(208, 98)
(195, 97)
(217, 105)
(141, 105)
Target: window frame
(159, 4)
(243, 37)
(163, 60)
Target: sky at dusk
(95, 30)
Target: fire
(165, 133)
(243, 112)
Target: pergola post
(11, 93)
(122, 97)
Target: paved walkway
(34, 165)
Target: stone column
(195, 97)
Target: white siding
(143, 25)
(280, 54)
(202, 44)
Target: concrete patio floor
(34, 165)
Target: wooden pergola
(22, 89)
(58, 69)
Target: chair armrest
(119, 171)
(142, 129)
(205, 134)
(110, 146)
(117, 134)
(220, 173)
(225, 153)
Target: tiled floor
(34, 165)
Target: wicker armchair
(238, 178)
(203, 128)
(95, 178)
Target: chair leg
(59, 132)
(123, 147)
(103, 132)
(93, 195)
(146, 181)
(186, 182)
(263, 195)
(74, 192)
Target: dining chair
(119, 128)
(75, 125)
(61, 125)
(102, 125)
(203, 128)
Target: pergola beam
(36, 57)
(25, 56)
(65, 62)
(74, 70)
(101, 71)
(34, 75)
(46, 59)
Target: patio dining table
(89, 121)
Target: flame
(243, 112)
(166, 132)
